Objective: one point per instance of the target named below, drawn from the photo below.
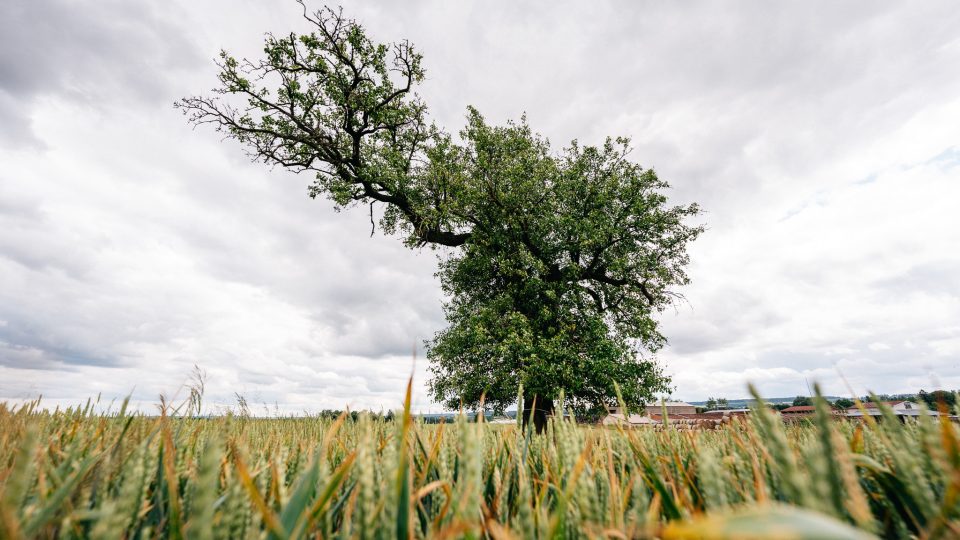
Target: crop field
(76, 474)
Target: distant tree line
(930, 399)
(355, 415)
(714, 404)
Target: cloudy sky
(823, 141)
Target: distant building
(617, 417)
(729, 412)
(680, 415)
(901, 409)
(798, 411)
(673, 407)
(690, 421)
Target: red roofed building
(799, 412)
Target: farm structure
(901, 409)
(678, 421)
(653, 416)
(672, 407)
(679, 414)
(728, 412)
(798, 411)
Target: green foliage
(801, 401)
(937, 398)
(843, 403)
(559, 261)
(570, 258)
(76, 474)
(716, 403)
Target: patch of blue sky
(867, 179)
(947, 159)
(819, 199)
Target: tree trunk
(544, 408)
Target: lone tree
(555, 263)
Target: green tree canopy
(937, 397)
(801, 401)
(843, 403)
(554, 262)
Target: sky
(822, 140)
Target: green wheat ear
(76, 473)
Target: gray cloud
(821, 141)
(95, 53)
(937, 278)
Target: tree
(802, 401)
(555, 263)
(843, 403)
(711, 404)
(722, 403)
(937, 397)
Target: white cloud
(822, 141)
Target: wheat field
(79, 474)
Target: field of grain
(76, 474)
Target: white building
(673, 407)
(676, 410)
(615, 418)
(902, 409)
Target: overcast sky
(822, 140)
